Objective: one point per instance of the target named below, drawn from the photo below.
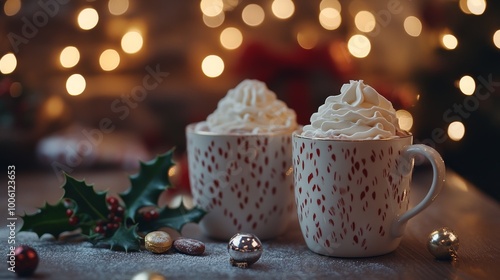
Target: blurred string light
(229, 5)
(109, 60)
(75, 84)
(307, 36)
(215, 21)
(359, 46)
(413, 26)
(283, 9)
(87, 18)
(456, 131)
(335, 4)
(118, 7)
(496, 38)
(8, 63)
(53, 107)
(365, 21)
(463, 6)
(15, 89)
(330, 18)
(69, 57)
(467, 85)
(132, 42)
(253, 15)
(405, 119)
(11, 7)
(212, 66)
(449, 41)
(476, 7)
(211, 8)
(231, 38)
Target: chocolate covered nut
(189, 246)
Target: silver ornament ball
(443, 244)
(244, 249)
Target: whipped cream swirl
(250, 108)
(359, 112)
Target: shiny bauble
(244, 249)
(443, 244)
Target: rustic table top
(474, 217)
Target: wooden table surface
(473, 216)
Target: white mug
(243, 181)
(352, 196)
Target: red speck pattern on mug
(245, 183)
(348, 193)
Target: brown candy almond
(189, 246)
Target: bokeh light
(53, 107)
(496, 38)
(330, 18)
(283, 9)
(467, 85)
(132, 42)
(75, 84)
(8, 63)
(456, 131)
(335, 4)
(365, 21)
(405, 119)
(11, 7)
(476, 7)
(88, 18)
(359, 46)
(449, 41)
(16, 89)
(463, 6)
(211, 8)
(215, 21)
(413, 26)
(253, 15)
(69, 57)
(118, 7)
(109, 60)
(212, 66)
(231, 38)
(307, 36)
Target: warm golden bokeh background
(100, 84)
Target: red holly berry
(74, 220)
(100, 229)
(112, 201)
(69, 212)
(120, 211)
(26, 260)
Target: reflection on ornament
(244, 249)
(443, 244)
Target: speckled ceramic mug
(352, 196)
(244, 182)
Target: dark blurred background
(103, 84)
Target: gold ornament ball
(443, 244)
(158, 242)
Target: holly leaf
(148, 184)
(123, 239)
(174, 218)
(50, 219)
(87, 200)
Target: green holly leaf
(174, 218)
(50, 219)
(148, 184)
(88, 201)
(124, 239)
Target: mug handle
(438, 178)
